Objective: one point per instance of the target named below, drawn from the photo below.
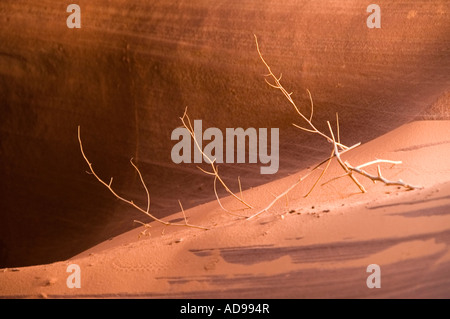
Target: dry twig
(337, 150)
(215, 168)
(130, 202)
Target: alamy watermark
(235, 144)
(374, 19)
(73, 21)
(74, 279)
(374, 279)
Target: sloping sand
(126, 77)
(304, 248)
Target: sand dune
(318, 247)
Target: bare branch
(288, 95)
(338, 156)
(143, 184)
(380, 178)
(304, 128)
(187, 124)
(376, 162)
(285, 193)
(322, 174)
(184, 214)
(129, 202)
(337, 126)
(240, 187)
(337, 151)
(312, 105)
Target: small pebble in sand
(44, 295)
(326, 211)
(51, 281)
